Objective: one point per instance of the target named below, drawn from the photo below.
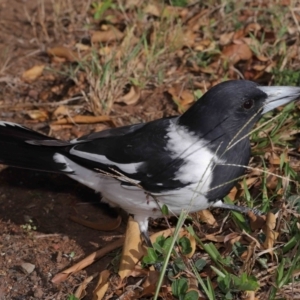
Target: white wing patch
(4, 123)
(76, 141)
(127, 168)
(59, 158)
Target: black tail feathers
(24, 148)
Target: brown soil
(46, 200)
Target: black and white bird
(186, 162)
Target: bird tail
(24, 148)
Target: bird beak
(278, 96)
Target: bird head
(230, 109)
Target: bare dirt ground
(47, 201)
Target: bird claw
(256, 211)
(158, 267)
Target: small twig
(129, 292)
(62, 276)
(41, 104)
(42, 236)
(294, 18)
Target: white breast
(198, 159)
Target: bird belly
(135, 200)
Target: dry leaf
(165, 233)
(37, 114)
(102, 285)
(237, 52)
(247, 255)
(211, 69)
(132, 3)
(183, 98)
(33, 73)
(174, 11)
(270, 67)
(239, 34)
(252, 27)
(198, 20)
(259, 68)
(252, 180)
(250, 295)
(132, 249)
(81, 290)
(207, 217)
(271, 221)
(82, 47)
(153, 9)
(104, 51)
(274, 159)
(226, 38)
(63, 52)
(232, 238)
(193, 285)
(272, 182)
(204, 44)
(150, 283)
(237, 192)
(256, 222)
(262, 58)
(61, 111)
(111, 34)
(214, 238)
(132, 97)
(271, 234)
(188, 38)
(60, 277)
(233, 193)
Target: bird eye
(248, 104)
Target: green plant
(286, 77)
(72, 297)
(101, 7)
(180, 290)
(29, 226)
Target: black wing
(137, 151)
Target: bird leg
(146, 238)
(241, 209)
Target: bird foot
(241, 209)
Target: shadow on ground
(48, 200)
